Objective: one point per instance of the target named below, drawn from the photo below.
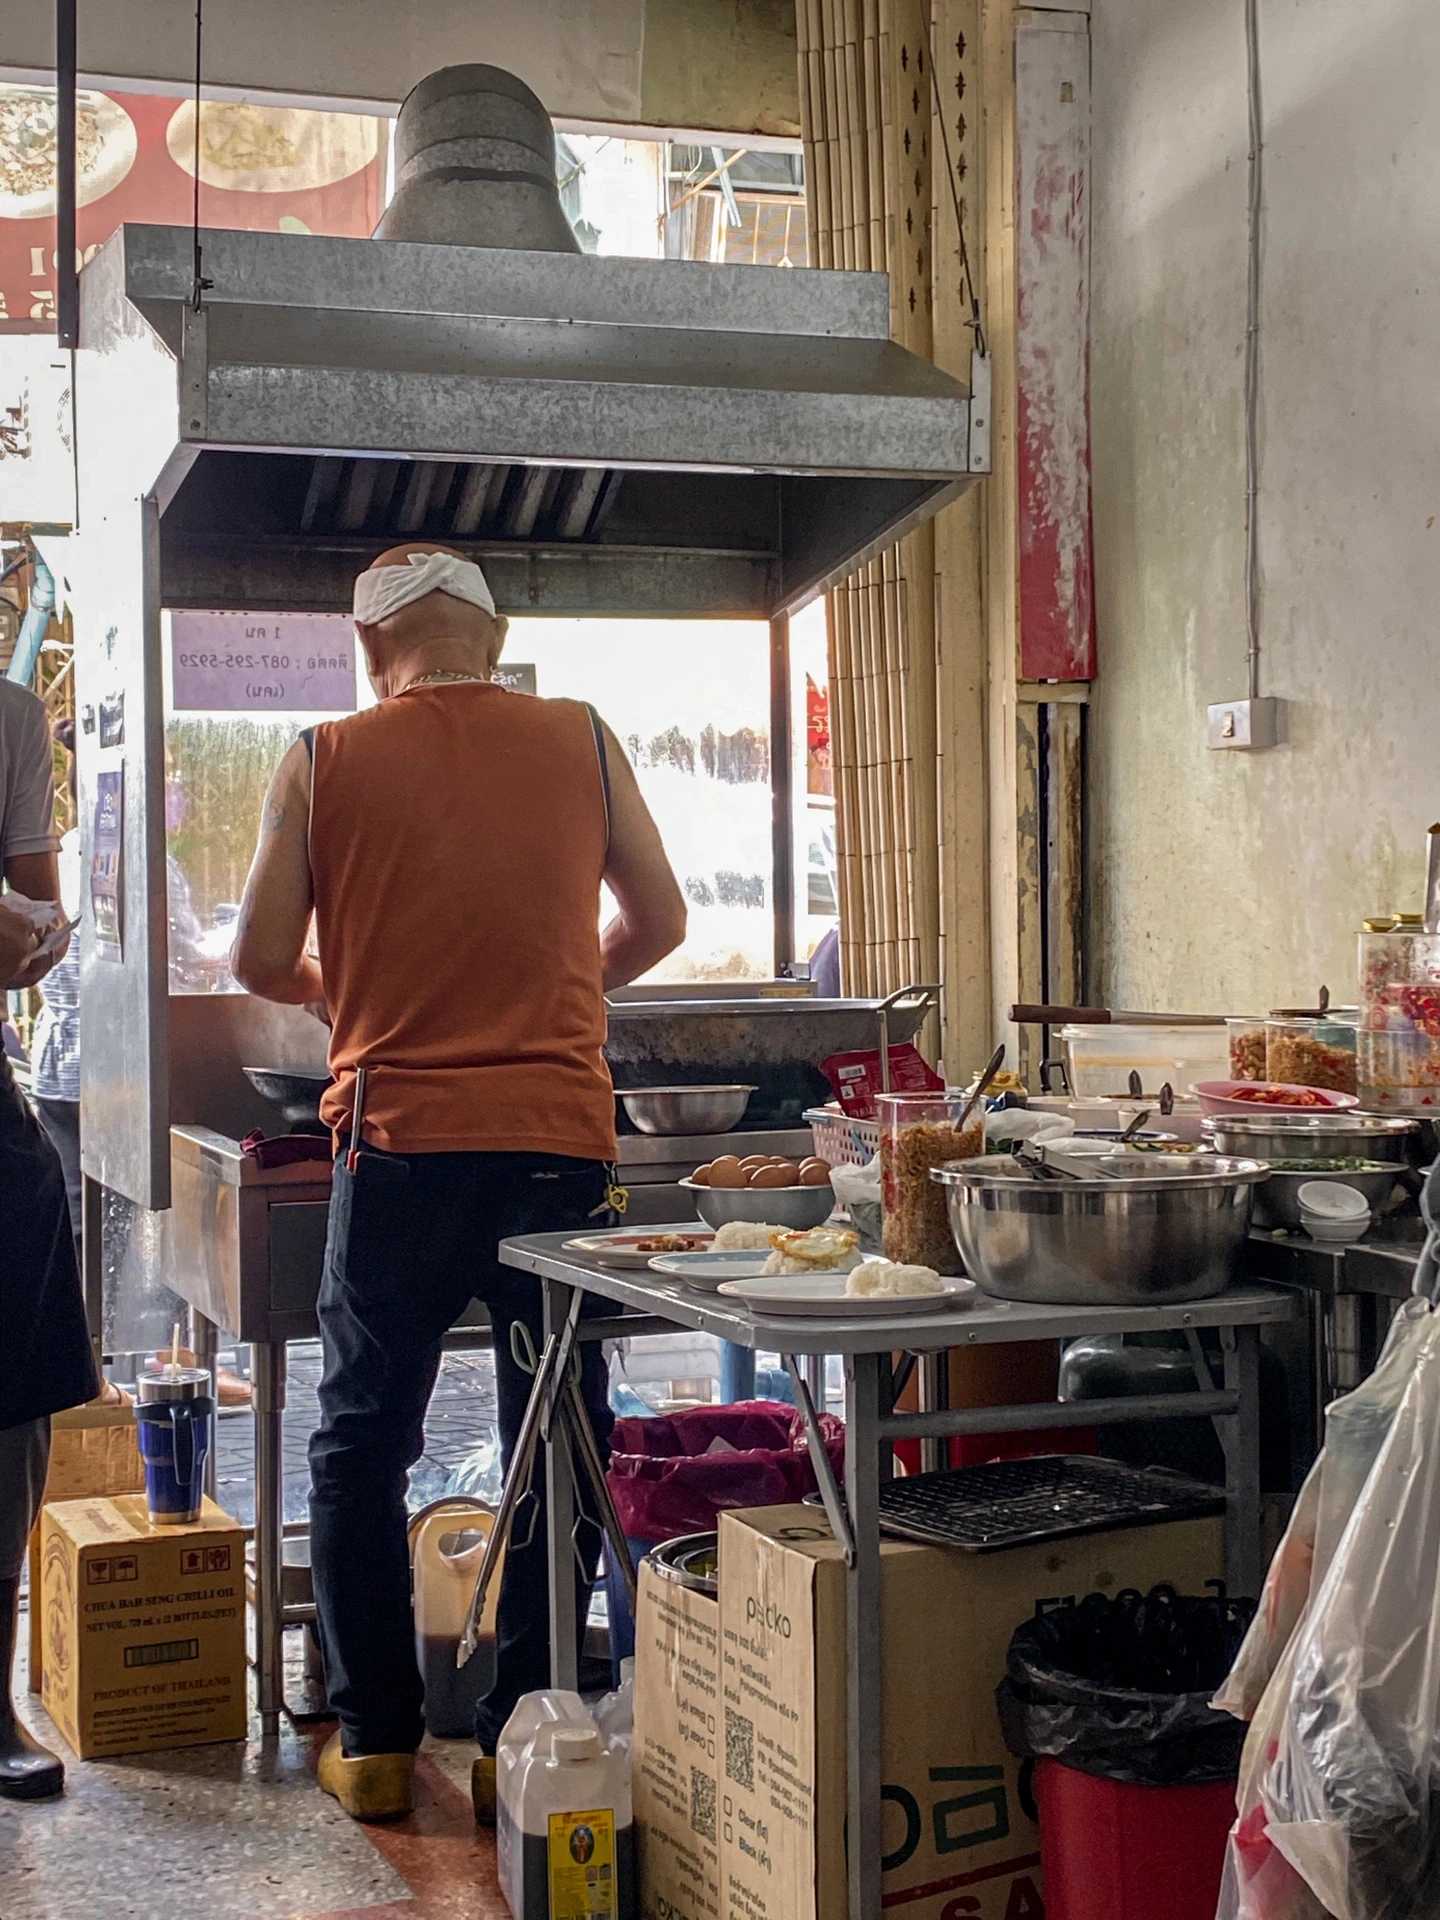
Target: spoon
(1134, 1127)
(997, 1060)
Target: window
(690, 702)
(812, 783)
(688, 699)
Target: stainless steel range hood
(606, 435)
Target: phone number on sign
(263, 662)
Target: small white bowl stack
(1329, 1210)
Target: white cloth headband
(381, 591)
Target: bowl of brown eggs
(764, 1188)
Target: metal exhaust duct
(475, 166)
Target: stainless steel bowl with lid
(692, 1560)
(684, 1110)
(1107, 1240)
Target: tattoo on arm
(274, 818)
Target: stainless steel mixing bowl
(1094, 1242)
(1319, 1136)
(686, 1110)
(1277, 1202)
(795, 1208)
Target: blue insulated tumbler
(176, 1418)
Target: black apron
(46, 1361)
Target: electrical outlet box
(1246, 724)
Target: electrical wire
(198, 283)
(1252, 349)
(967, 278)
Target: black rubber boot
(28, 1771)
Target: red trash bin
(1135, 1771)
(1115, 1851)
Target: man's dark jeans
(411, 1240)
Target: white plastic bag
(1005, 1129)
(857, 1183)
(1339, 1796)
(1355, 1428)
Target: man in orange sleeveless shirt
(451, 843)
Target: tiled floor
(241, 1833)
(460, 1420)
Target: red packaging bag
(856, 1078)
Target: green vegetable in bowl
(1334, 1166)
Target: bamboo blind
(865, 94)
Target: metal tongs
(555, 1395)
(1035, 1163)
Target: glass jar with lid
(1399, 1054)
(1318, 1051)
(1247, 1046)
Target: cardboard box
(959, 1835)
(93, 1449)
(673, 1752)
(143, 1627)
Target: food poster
(107, 864)
(270, 169)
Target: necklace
(444, 676)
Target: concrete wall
(722, 65)
(1221, 880)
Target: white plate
(799, 1295)
(621, 1249)
(710, 1270)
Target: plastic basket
(841, 1140)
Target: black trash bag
(1120, 1688)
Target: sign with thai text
(262, 663)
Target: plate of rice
(871, 1287)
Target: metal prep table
(1351, 1293)
(248, 1245)
(871, 1425)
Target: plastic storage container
(1399, 1042)
(1101, 1059)
(446, 1547)
(565, 1832)
(1312, 1052)
(919, 1131)
(1246, 1033)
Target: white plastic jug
(565, 1835)
(447, 1543)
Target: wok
(295, 1091)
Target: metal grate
(1011, 1503)
(455, 499)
